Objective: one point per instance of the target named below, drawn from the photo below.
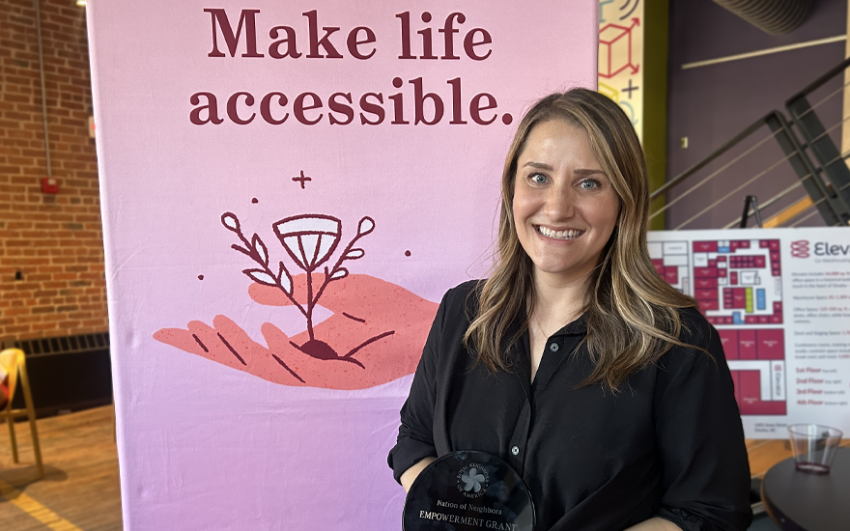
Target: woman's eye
(590, 184)
(537, 178)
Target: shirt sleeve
(415, 435)
(706, 475)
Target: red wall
(55, 241)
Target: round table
(809, 502)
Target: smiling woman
(565, 210)
(564, 206)
(576, 163)
(575, 362)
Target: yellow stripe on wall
(791, 212)
(35, 509)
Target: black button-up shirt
(669, 444)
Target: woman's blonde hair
(631, 314)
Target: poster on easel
(288, 188)
(780, 300)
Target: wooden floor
(80, 491)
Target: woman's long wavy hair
(631, 313)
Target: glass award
(468, 491)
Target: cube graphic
(615, 49)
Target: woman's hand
(411, 473)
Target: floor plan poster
(781, 303)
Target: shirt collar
(577, 327)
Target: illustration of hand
(374, 336)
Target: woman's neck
(558, 303)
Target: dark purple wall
(711, 104)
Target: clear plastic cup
(814, 446)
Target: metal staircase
(822, 174)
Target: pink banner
(288, 189)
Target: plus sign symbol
(303, 179)
(630, 88)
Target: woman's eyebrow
(589, 172)
(538, 165)
(548, 167)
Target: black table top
(811, 502)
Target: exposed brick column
(55, 241)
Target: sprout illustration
(310, 240)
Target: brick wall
(53, 241)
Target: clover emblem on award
(473, 480)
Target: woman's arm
(655, 524)
(410, 475)
(700, 437)
(415, 449)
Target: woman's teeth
(569, 234)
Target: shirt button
(554, 347)
(515, 450)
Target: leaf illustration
(365, 226)
(230, 221)
(285, 279)
(260, 247)
(354, 254)
(260, 277)
(339, 273)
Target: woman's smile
(567, 234)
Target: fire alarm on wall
(49, 185)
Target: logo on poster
(827, 249)
(800, 249)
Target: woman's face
(564, 206)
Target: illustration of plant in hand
(310, 240)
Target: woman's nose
(560, 202)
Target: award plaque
(468, 491)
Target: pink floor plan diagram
(738, 284)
